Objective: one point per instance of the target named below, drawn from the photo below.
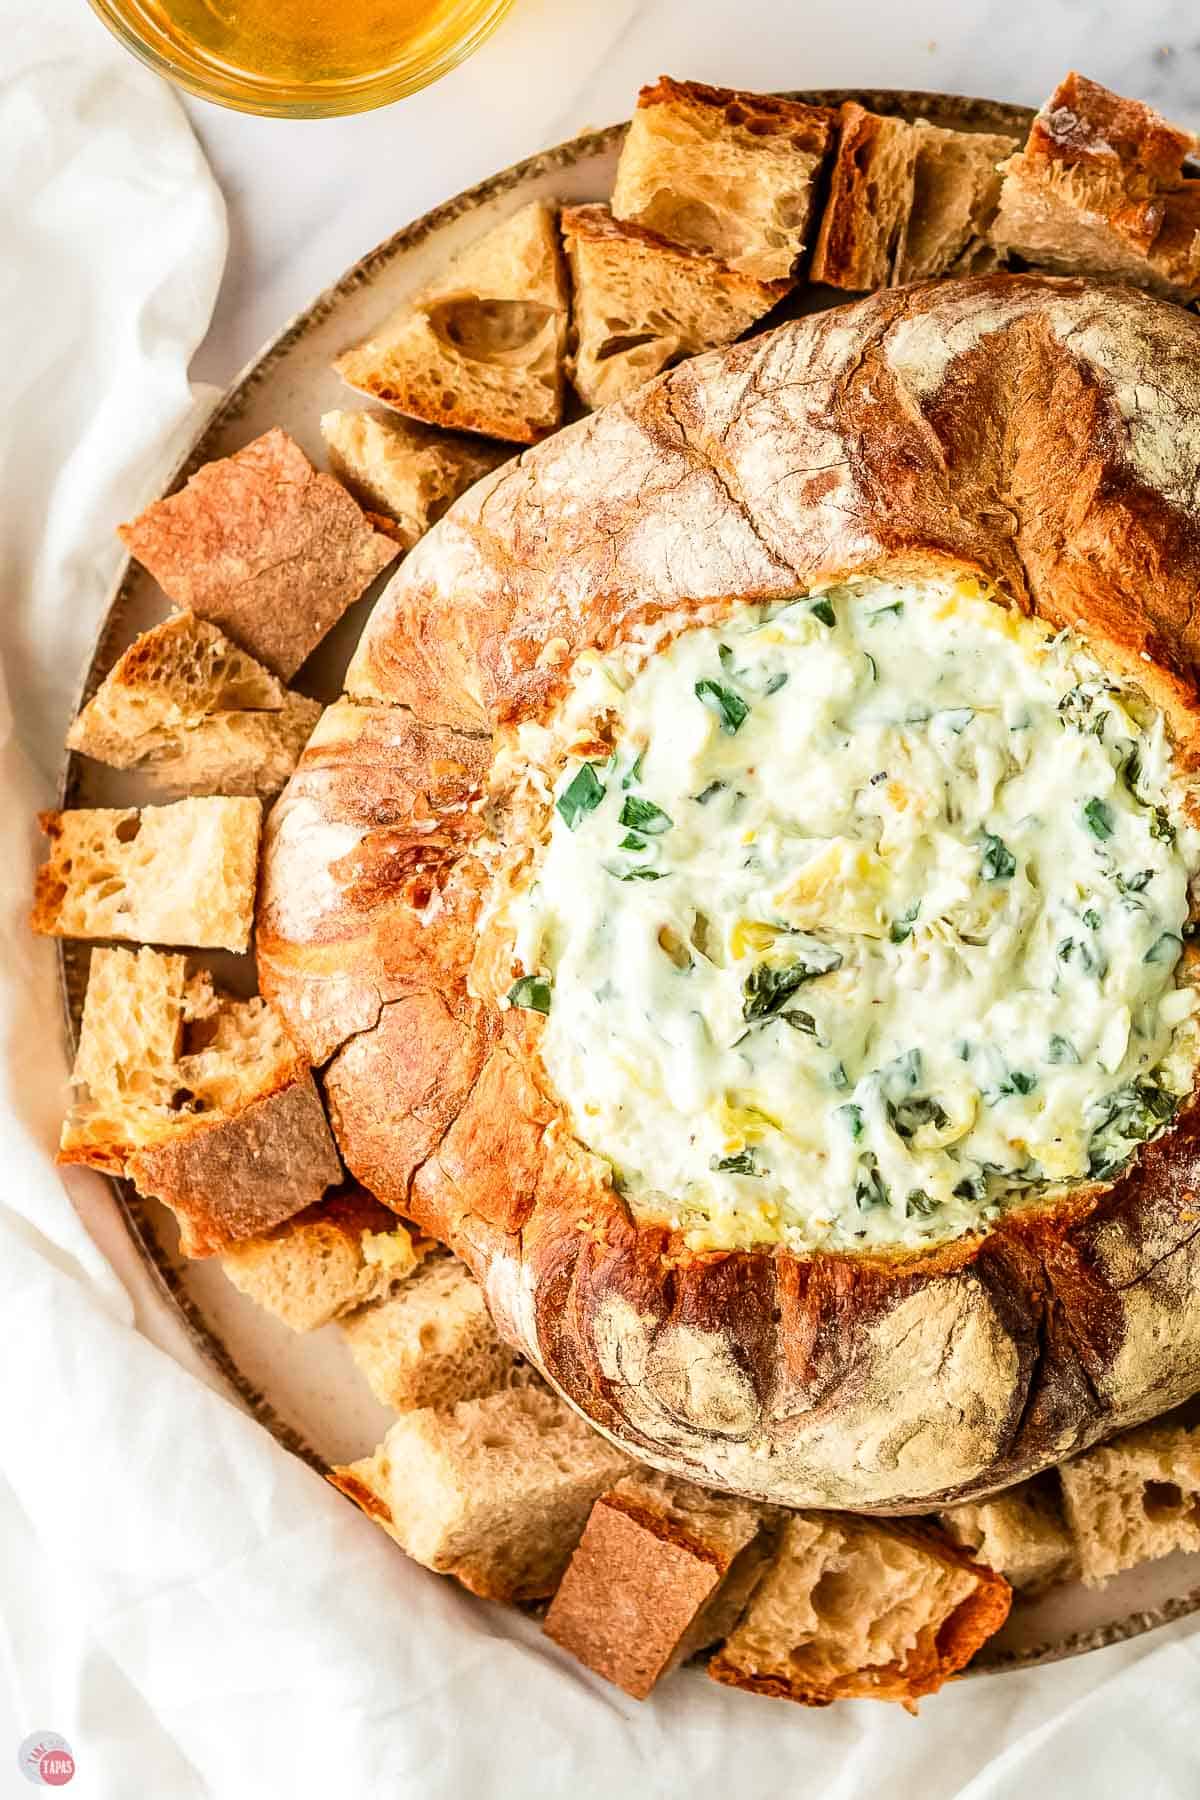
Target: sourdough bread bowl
(830, 1137)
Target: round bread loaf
(1030, 444)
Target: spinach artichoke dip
(870, 924)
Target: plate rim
(229, 406)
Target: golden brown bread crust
(763, 115)
(394, 1091)
(238, 1177)
(730, 174)
(480, 348)
(913, 429)
(871, 188)
(1084, 121)
(1101, 186)
(936, 1656)
(385, 807)
(647, 1585)
(346, 1213)
(346, 1482)
(264, 547)
(628, 1595)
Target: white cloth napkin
(189, 1606)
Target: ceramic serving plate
(304, 1389)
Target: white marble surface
(307, 198)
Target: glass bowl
(140, 27)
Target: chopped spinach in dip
(870, 924)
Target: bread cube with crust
(481, 348)
(201, 1100)
(1100, 188)
(411, 472)
(956, 190)
(1020, 1534)
(854, 1608)
(126, 1072)
(195, 714)
(178, 874)
(663, 1569)
(344, 1252)
(1134, 1499)
(495, 1492)
(233, 1178)
(432, 1343)
(729, 174)
(265, 548)
(640, 303)
(871, 190)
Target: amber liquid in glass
(306, 40)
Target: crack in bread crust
(369, 887)
(917, 430)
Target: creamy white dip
(870, 925)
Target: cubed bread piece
(195, 714)
(495, 1492)
(263, 546)
(870, 198)
(480, 349)
(1100, 189)
(729, 174)
(1133, 1499)
(344, 1252)
(956, 190)
(201, 1100)
(178, 874)
(238, 1177)
(126, 1073)
(860, 1608)
(663, 1568)
(433, 1342)
(1021, 1534)
(410, 471)
(640, 304)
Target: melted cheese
(390, 1250)
(869, 926)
